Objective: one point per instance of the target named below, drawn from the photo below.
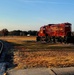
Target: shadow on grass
(9, 55)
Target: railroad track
(2, 64)
(1, 47)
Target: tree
(33, 33)
(4, 32)
(15, 32)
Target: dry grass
(19, 38)
(31, 54)
(44, 58)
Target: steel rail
(1, 49)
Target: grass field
(31, 54)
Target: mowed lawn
(31, 54)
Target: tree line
(5, 32)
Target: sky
(32, 14)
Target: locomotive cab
(41, 34)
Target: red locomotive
(55, 32)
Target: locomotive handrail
(1, 47)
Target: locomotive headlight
(41, 32)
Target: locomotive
(55, 33)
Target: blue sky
(32, 14)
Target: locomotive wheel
(48, 39)
(37, 38)
(42, 39)
(60, 39)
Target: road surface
(43, 71)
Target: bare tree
(4, 32)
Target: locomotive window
(67, 26)
(43, 31)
